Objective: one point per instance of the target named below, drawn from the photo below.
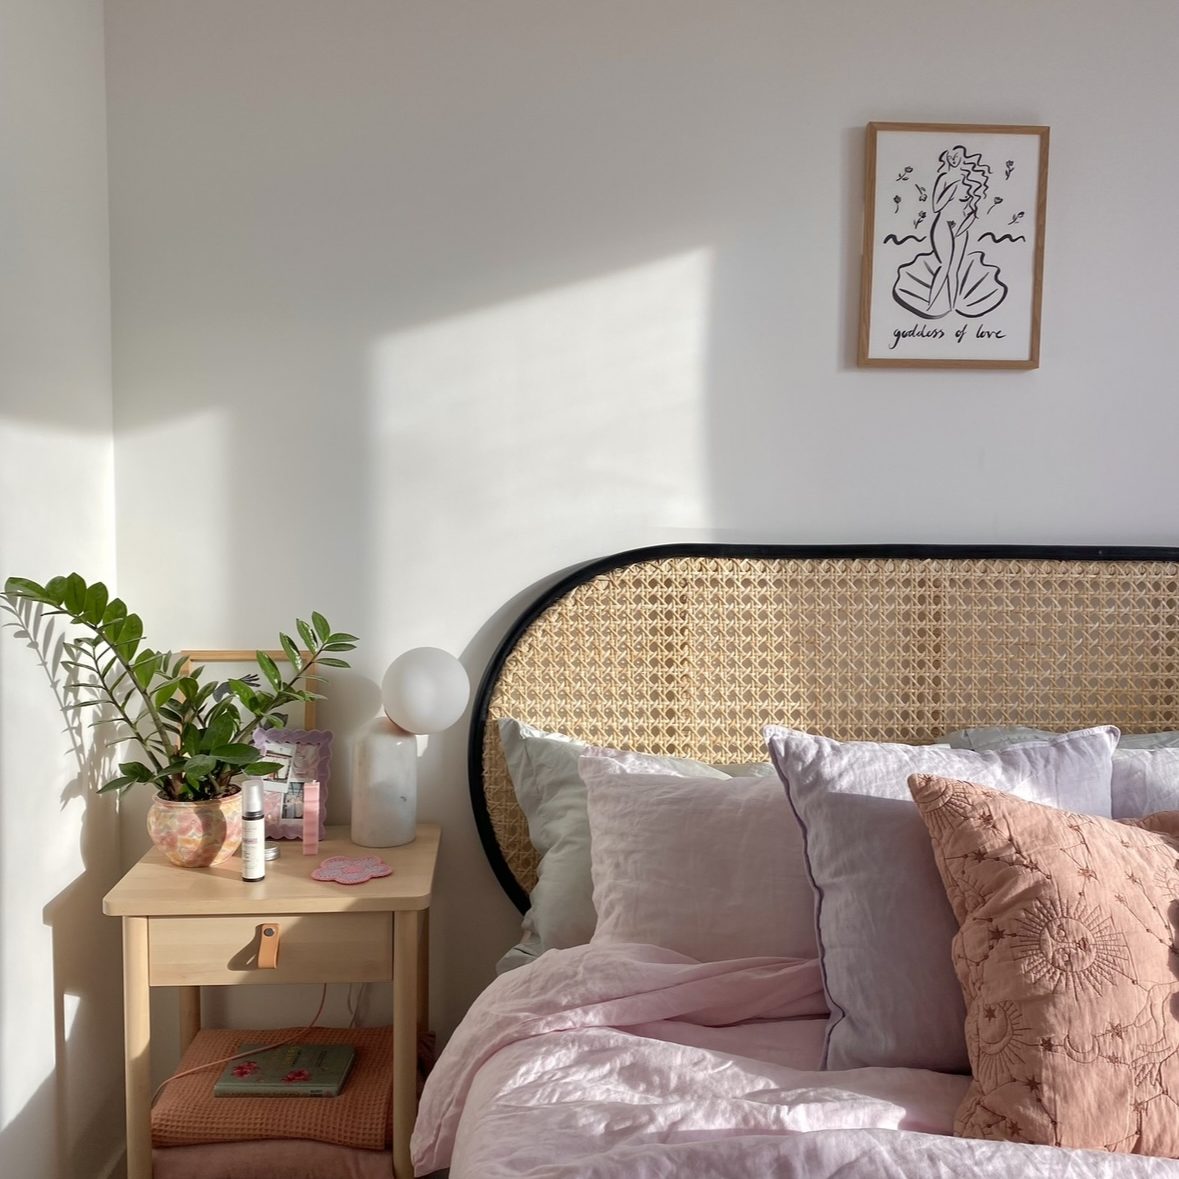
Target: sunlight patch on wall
(549, 425)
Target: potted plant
(193, 733)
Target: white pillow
(543, 769)
(1145, 765)
(709, 868)
(885, 926)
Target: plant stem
(156, 765)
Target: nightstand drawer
(312, 947)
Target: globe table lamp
(423, 691)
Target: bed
(642, 1052)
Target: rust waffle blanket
(187, 1113)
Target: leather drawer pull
(268, 946)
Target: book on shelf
(293, 1070)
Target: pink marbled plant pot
(197, 834)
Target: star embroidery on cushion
(1087, 873)
(1033, 1085)
(1047, 1044)
(988, 1012)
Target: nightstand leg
(137, 1046)
(190, 1015)
(424, 975)
(406, 931)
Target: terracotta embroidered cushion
(1066, 958)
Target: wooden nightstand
(194, 927)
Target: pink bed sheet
(631, 1062)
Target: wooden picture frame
(953, 251)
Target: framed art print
(953, 253)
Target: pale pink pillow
(710, 867)
(1067, 964)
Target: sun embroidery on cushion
(1069, 946)
(947, 807)
(1002, 1039)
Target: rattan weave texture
(690, 656)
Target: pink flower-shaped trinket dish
(351, 869)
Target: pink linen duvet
(632, 1062)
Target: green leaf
(129, 635)
(306, 634)
(292, 652)
(114, 613)
(22, 587)
(219, 732)
(145, 667)
(190, 739)
(328, 661)
(75, 594)
(244, 693)
(236, 754)
(269, 669)
(55, 590)
(95, 604)
(321, 626)
(263, 769)
(116, 784)
(136, 771)
(342, 637)
(339, 647)
(199, 767)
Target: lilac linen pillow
(711, 868)
(885, 927)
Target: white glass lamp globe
(425, 690)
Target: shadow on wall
(82, 1098)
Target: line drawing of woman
(949, 277)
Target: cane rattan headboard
(689, 650)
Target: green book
(294, 1070)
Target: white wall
(425, 302)
(61, 1104)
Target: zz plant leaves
(193, 732)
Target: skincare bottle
(253, 832)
